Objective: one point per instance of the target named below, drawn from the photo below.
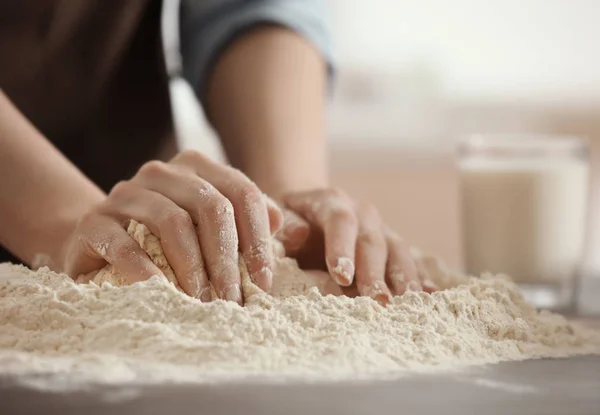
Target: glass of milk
(524, 210)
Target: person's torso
(91, 76)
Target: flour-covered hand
(327, 229)
(203, 212)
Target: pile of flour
(151, 331)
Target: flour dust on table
(96, 331)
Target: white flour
(151, 331)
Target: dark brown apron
(90, 75)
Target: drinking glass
(524, 209)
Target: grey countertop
(550, 386)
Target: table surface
(552, 386)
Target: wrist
(58, 231)
(278, 189)
(281, 173)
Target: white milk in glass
(524, 209)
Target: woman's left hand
(326, 229)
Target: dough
(288, 278)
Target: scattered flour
(151, 331)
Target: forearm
(266, 99)
(41, 193)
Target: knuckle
(250, 194)
(370, 238)
(236, 175)
(193, 157)
(153, 168)
(395, 239)
(218, 207)
(344, 214)
(121, 189)
(369, 210)
(241, 182)
(202, 189)
(178, 219)
(336, 192)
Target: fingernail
(343, 272)
(380, 293)
(399, 282)
(430, 285)
(413, 286)
(233, 293)
(205, 296)
(383, 299)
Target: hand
(203, 213)
(326, 229)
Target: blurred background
(416, 76)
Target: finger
(333, 213)
(371, 256)
(213, 215)
(104, 238)
(174, 228)
(426, 282)
(294, 233)
(251, 213)
(219, 242)
(276, 218)
(401, 272)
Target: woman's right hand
(203, 212)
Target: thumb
(276, 218)
(294, 233)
